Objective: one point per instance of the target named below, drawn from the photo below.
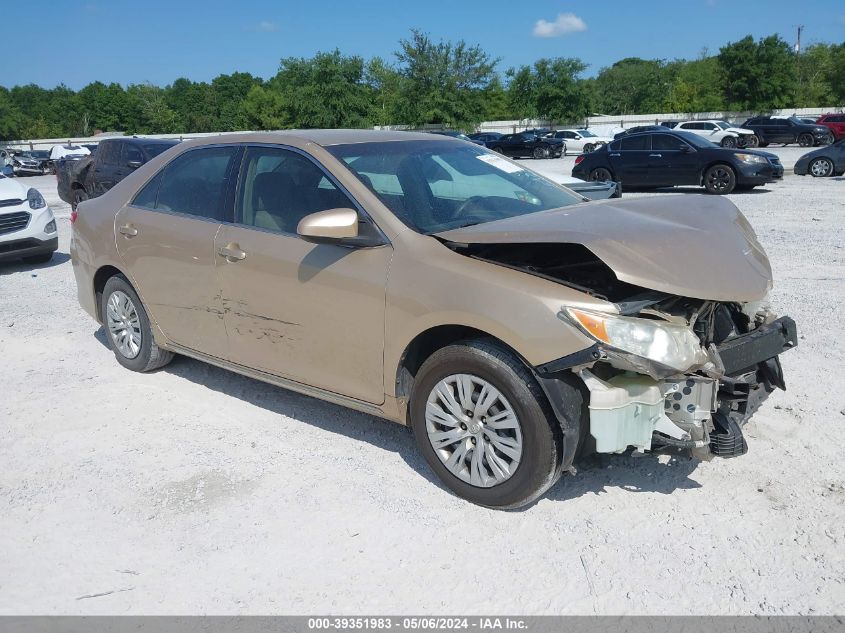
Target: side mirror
(326, 227)
(685, 149)
(134, 164)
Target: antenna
(798, 40)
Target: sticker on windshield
(499, 163)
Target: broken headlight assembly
(672, 345)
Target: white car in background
(27, 226)
(581, 141)
(68, 151)
(720, 132)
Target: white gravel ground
(192, 490)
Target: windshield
(435, 186)
(40, 153)
(724, 125)
(586, 133)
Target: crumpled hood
(740, 130)
(696, 246)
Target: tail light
(579, 159)
(73, 215)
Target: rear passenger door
(629, 159)
(311, 313)
(165, 237)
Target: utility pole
(798, 40)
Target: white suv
(27, 226)
(581, 141)
(720, 132)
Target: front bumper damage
(647, 405)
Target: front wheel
(719, 179)
(128, 328)
(752, 141)
(805, 140)
(729, 141)
(541, 152)
(821, 168)
(484, 425)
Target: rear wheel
(601, 174)
(128, 328)
(752, 141)
(589, 147)
(729, 141)
(719, 179)
(821, 167)
(805, 140)
(484, 425)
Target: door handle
(615, 155)
(655, 155)
(128, 230)
(232, 252)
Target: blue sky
(79, 41)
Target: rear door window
(634, 143)
(195, 182)
(132, 153)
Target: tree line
(453, 84)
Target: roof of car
(321, 137)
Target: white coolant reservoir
(624, 410)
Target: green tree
(229, 91)
(758, 75)
(444, 82)
(693, 86)
(387, 87)
(551, 89)
(836, 73)
(632, 86)
(326, 91)
(263, 109)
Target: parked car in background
(458, 135)
(788, 130)
(25, 164)
(580, 140)
(91, 147)
(835, 123)
(43, 155)
(670, 158)
(486, 138)
(824, 161)
(57, 152)
(114, 159)
(27, 226)
(807, 120)
(528, 144)
(442, 286)
(720, 132)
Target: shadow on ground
(19, 266)
(596, 474)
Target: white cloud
(267, 27)
(564, 24)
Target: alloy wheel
(600, 174)
(719, 179)
(821, 167)
(729, 141)
(805, 140)
(474, 430)
(124, 324)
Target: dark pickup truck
(114, 159)
(788, 130)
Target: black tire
(719, 179)
(541, 152)
(752, 141)
(43, 258)
(150, 356)
(729, 141)
(77, 196)
(589, 147)
(540, 464)
(601, 174)
(805, 140)
(820, 167)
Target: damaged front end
(682, 373)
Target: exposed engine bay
(697, 401)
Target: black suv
(115, 158)
(788, 130)
(666, 158)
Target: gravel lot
(192, 490)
